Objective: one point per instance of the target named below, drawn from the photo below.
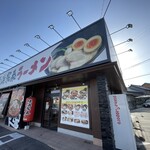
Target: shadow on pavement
(23, 143)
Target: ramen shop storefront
(71, 103)
(70, 81)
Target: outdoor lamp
(126, 27)
(129, 40)
(70, 14)
(129, 26)
(130, 50)
(10, 61)
(52, 27)
(15, 57)
(38, 37)
(28, 45)
(5, 65)
(19, 51)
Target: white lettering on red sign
(28, 107)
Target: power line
(107, 8)
(102, 7)
(138, 76)
(137, 64)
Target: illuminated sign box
(85, 48)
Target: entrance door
(51, 111)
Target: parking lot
(141, 125)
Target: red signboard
(29, 109)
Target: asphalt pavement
(16, 141)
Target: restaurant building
(71, 82)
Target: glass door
(51, 111)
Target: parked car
(146, 103)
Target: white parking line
(11, 137)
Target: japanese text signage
(122, 125)
(74, 106)
(83, 49)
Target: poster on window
(3, 100)
(16, 102)
(74, 106)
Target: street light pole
(130, 50)
(19, 51)
(10, 61)
(52, 27)
(15, 57)
(5, 65)
(126, 27)
(129, 40)
(70, 14)
(38, 37)
(28, 45)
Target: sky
(21, 20)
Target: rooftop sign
(83, 49)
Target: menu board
(16, 102)
(3, 101)
(74, 106)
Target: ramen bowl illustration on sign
(80, 52)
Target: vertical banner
(122, 124)
(16, 102)
(29, 109)
(3, 100)
(15, 105)
(74, 106)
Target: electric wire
(102, 8)
(137, 64)
(138, 76)
(107, 8)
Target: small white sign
(122, 125)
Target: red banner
(29, 109)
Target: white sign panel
(122, 124)
(82, 49)
(74, 106)
(31, 69)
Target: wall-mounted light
(129, 50)
(15, 57)
(2, 67)
(70, 14)
(5, 65)
(126, 27)
(52, 27)
(19, 51)
(129, 40)
(38, 37)
(28, 45)
(10, 61)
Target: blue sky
(21, 20)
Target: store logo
(117, 110)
